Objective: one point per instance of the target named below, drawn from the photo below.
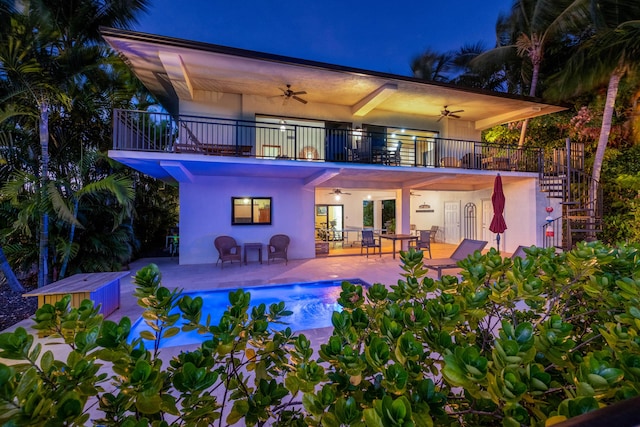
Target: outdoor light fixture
(282, 126)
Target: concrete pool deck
(372, 269)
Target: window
(250, 210)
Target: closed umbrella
(498, 225)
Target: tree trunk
(67, 252)
(532, 93)
(43, 262)
(12, 280)
(607, 114)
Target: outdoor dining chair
(278, 247)
(369, 241)
(464, 249)
(228, 250)
(423, 242)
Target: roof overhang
(176, 69)
(184, 168)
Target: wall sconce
(357, 132)
(283, 126)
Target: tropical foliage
(61, 196)
(529, 341)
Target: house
(262, 144)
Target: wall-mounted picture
(321, 210)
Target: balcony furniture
(395, 237)
(193, 145)
(471, 161)
(228, 250)
(101, 288)
(278, 247)
(392, 157)
(423, 242)
(369, 241)
(253, 246)
(495, 163)
(450, 162)
(464, 249)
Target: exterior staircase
(562, 176)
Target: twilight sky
(374, 35)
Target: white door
(487, 215)
(452, 222)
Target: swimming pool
(312, 304)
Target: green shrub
(513, 342)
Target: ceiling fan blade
(454, 116)
(299, 99)
(301, 92)
(440, 118)
(457, 111)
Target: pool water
(312, 305)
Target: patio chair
(369, 241)
(423, 242)
(464, 249)
(434, 232)
(228, 250)
(277, 247)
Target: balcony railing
(148, 131)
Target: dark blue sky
(374, 35)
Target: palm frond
(59, 204)
(121, 187)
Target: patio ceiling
(185, 167)
(174, 69)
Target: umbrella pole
(498, 240)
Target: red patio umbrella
(498, 225)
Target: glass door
(329, 222)
(389, 215)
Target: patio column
(403, 211)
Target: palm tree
(474, 74)
(528, 30)
(48, 46)
(432, 66)
(605, 59)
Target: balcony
(160, 132)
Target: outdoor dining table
(396, 237)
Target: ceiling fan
(339, 192)
(288, 94)
(446, 113)
(414, 194)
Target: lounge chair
(464, 249)
(369, 241)
(278, 247)
(423, 242)
(519, 252)
(228, 250)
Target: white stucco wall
(205, 213)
